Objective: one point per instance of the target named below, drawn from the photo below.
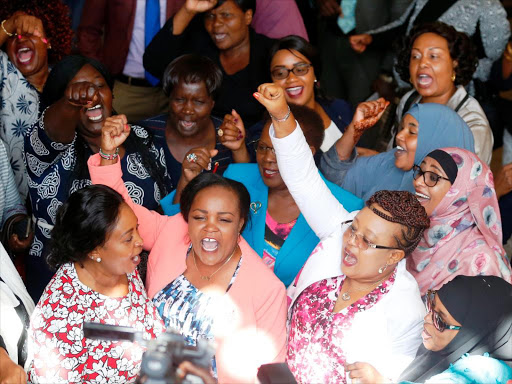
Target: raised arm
(106, 170)
(320, 208)
(90, 31)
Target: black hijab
(483, 306)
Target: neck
(368, 283)
(94, 143)
(99, 279)
(280, 193)
(237, 51)
(202, 137)
(207, 270)
(442, 99)
(38, 80)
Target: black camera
(163, 354)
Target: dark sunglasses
(439, 323)
(430, 178)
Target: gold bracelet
(5, 30)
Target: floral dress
(189, 311)
(315, 343)
(19, 108)
(61, 352)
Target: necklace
(207, 278)
(346, 295)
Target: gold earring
(410, 80)
(453, 76)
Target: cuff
(107, 174)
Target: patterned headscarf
(465, 233)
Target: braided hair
(404, 209)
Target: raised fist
(271, 96)
(82, 94)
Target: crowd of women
(252, 214)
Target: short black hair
(192, 69)
(206, 180)
(244, 5)
(310, 122)
(83, 223)
(459, 44)
(64, 71)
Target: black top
(237, 89)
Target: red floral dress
(61, 352)
(315, 343)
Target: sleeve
(165, 46)
(477, 122)
(335, 169)
(151, 223)
(169, 208)
(90, 30)
(12, 204)
(494, 32)
(41, 151)
(320, 208)
(276, 19)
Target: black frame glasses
(281, 72)
(361, 241)
(439, 323)
(432, 179)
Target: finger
(213, 153)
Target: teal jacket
(300, 242)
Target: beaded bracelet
(283, 119)
(106, 156)
(5, 30)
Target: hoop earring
(382, 269)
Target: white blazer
(387, 335)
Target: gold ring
(220, 132)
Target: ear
(240, 225)
(94, 254)
(395, 256)
(248, 17)
(313, 150)
(455, 64)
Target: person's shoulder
(155, 125)
(246, 173)
(262, 40)
(263, 278)
(349, 201)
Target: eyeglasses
(361, 241)
(430, 178)
(439, 324)
(262, 148)
(281, 73)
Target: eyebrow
(436, 167)
(218, 213)
(412, 123)
(128, 231)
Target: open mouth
(400, 151)
(294, 91)
(24, 55)
(349, 259)
(424, 81)
(95, 113)
(425, 335)
(187, 124)
(422, 197)
(269, 173)
(209, 245)
(218, 37)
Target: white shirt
(133, 66)
(332, 134)
(386, 336)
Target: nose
(139, 242)
(269, 156)
(423, 61)
(211, 225)
(188, 108)
(427, 319)
(217, 21)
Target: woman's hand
(360, 42)
(503, 181)
(195, 161)
(366, 115)
(114, 133)
(82, 94)
(199, 6)
(329, 8)
(22, 24)
(271, 96)
(10, 372)
(365, 373)
(232, 136)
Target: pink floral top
(61, 352)
(315, 353)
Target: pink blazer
(251, 329)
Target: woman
(278, 231)
(96, 247)
(295, 66)
(364, 305)
(204, 278)
(34, 35)
(16, 306)
(485, 21)
(439, 61)
(192, 82)
(228, 40)
(466, 336)
(79, 94)
(457, 191)
(424, 128)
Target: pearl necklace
(207, 278)
(346, 296)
